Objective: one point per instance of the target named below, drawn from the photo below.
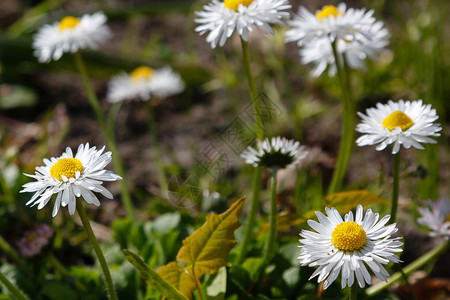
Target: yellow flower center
(68, 22)
(141, 72)
(234, 4)
(67, 167)
(397, 119)
(329, 10)
(348, 236)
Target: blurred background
(44, 109)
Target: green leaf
(152, 278)
(291, 275)
(15, 96)
(345, 201)
(252, 265)
(285, 220)
(123, 229)
(218, 287)
(207, 249)
(167, 222)
(54, 291)
(290, 253)
(175, 274)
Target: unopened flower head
(320, 53)
(436, 218)
(34, 240)
(402, 123)
(333, 23)
(221, 19)
(348, 246)
(70, 177)
(276, 153)
(70, 35)
(143, 82)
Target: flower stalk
(353, 294)
(270, 242)
(157, 157)
(18, 294)
(117, 162)
(415, 265)
(257, 173)
(248, 233)
(259, 125)
(4, 245)
(98, 251)
(348, 126)
(395, 188)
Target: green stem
(12, 288)
(417, 264)
(98, 251)
(90, 93)
(353, 292)
(248, 233)
(116, 160)
(405, 280)
(270, 242)
(395, 188)
(350, 114)
(57, 265)
(257, 173)
(6, 247)
(348, 126)
(254, 95)
(112, 117)
(162, 180)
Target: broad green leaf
(253, 265)
(16, 96)
(54, 290)
(290, 253)
(207, 249)
(166, 222)
(152, 278)
(175, 274)
(218, 287)
(345, 201)
(291, 275)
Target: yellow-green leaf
(285, 220)
(152, 278)
(175, 274)
(345, 201)
(207, 249)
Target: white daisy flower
(277, 153)
(437, 218)
(406, 123)
(221, 19)
(143, 82)
(333, 23)
(70, 177)
(349, 246)
(70, 35)
(165, 83)
(319, 51)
